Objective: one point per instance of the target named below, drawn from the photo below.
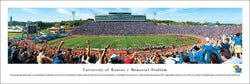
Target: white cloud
(174, 14)
(118, 9)
(85, 15)
(172, 10)
(29, 10)
(138, 10)
(100, 11)
(168, 11)
(78, 15)
(63, 11)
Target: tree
(40, 24)
(62, 23)
(68, 23)
(182, 23)
(57, 25)
(205, 23)
(188, 22)
(90, 19)
(217, 23)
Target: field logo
(237, 69)
(119, 39)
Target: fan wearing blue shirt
(237, 45)
(191, 56)
(207, 51)
(216, 50)
(199, 56)
(58, 58)
(180, 57)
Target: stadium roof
(119, 13)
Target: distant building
(64, 26)
(119, 16)
(29, 22)
(11, 23)
(210, 24)
(58, 29)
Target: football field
(122, 41)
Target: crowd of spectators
(210, 31)
(115, 28)
(223, 46)
(144, 28)
(150, 47)
(212, 52)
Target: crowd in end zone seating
(226, 50)
(214, 32)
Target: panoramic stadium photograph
(124, 36)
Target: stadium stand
(115, 28)
(214, 32)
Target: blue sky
(223, 15)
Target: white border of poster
(212, 73)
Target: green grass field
(15, 35)
(123, 41)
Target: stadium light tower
(154, 16)
(73, 13)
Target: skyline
(223, 15)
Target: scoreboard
(32, 29)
